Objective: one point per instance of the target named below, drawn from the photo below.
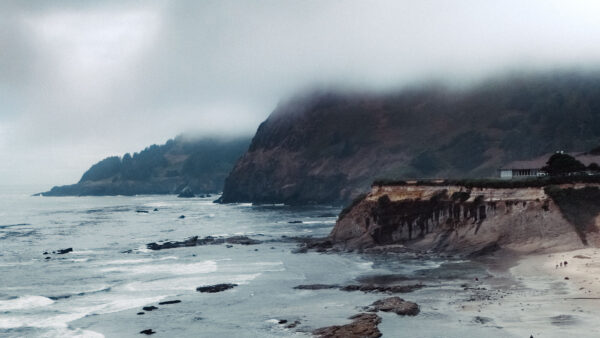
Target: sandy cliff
(469, 220)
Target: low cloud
(80, 81)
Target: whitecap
(24, 302)
(174, 269)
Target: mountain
(200, 164)
(326, 147)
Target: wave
(187, 284)
(173, 269)
(135, 261)
(24, 302)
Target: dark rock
(155, 209)
(382, 288)
(147, 332)
(195, 241)
(142, 211)
(45, 253)
(186, 193)
(316, 286)
(396, 305)
(170, 302)
(215, 288)
(482, 320)
(62, 251)
(243, 240)
(282, 321)
(364, 325)
(582, 257)
(317, 244)
(182, 217)
(295, 222)
(192, 241)
(228, 246)
(140, 313)
(292, 325)
(47, 258)
(149, 308)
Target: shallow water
(98, 289)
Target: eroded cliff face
(456, 218)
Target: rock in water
(170, 302)
(149, 308)
(364, 325)
(147, 332)
(396, 305)
(63, 251)
(186, 193)
(215, 288)
(316, 286)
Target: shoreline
(533, 297)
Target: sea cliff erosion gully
(469, 220)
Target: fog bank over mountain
(83, 81)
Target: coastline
(537, 300)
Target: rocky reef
(471, 220)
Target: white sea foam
(173, 269)
(24, 302)
(71, 333)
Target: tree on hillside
(561, 164)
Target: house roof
(539, 162)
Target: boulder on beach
(364, 325)
(396, 305)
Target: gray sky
(82, 80)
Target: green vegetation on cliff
(200, 164)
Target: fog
(80, 81)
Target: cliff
(327, 147)
(199, 164)
(472, 219)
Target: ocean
(99, 288)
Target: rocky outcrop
(215, 288)
(397, 305)
(468, 220)
(328, 147)
(208, 240)
(364, 325)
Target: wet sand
(534, 298)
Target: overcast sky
(82, 80)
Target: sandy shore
(581, 273)
(540, 300)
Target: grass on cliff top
(579, 206)
(536, 182)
